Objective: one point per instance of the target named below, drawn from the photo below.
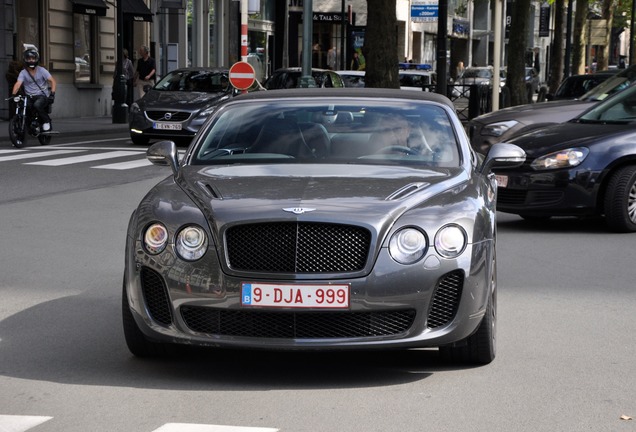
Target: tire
(138, 344)
(44, 139)
(17, 131)
(139, 140)
(481, 347)
(620, 200)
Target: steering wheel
(398, 149)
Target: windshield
(365, 131)
(618, 109)
(616, 83)
(194, 81)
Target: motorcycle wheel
(17, 132)
(44, 139)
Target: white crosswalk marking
(188, 427)
(85, 158)
(39, 154)
(15, 423)
(126, 165)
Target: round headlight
(155, 238)
(191, 243)
(450, 241)
(408, 246)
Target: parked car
(583, 167)
(502, 125)
(287, 78)
(409, 79)
(576, 86)
(177, 106)
(482, 75)
(311, 219)
(351, 78)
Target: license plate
(295, 296)
(502, 181)
(167, 126)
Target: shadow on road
(79, 340)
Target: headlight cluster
(409, 245)
(562, 159)
(499, 128)
(190, 242)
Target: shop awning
(136, 10)
(89, 7)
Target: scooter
(26, 121)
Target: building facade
(79, 40)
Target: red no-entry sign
(242, 75)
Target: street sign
(242, 75)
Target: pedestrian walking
(128, 71)
(146, 71)
(355, 62)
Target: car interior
(332, 134)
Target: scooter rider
(37, 80)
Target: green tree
(380, 45)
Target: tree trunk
(380, 45)
(578, 37)
(607, 12)
(556, 53)
(516, 53)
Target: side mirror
(503, 155)
(146, 88)
(164, 153)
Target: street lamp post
(120, 109)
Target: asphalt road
(565, 349)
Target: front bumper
(434, 303)
(566, 192)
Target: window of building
(84, 38)
(28, 24)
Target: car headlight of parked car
(561, 159)
(499, 128)
(134, 108)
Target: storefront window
(83, 48)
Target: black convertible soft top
(348, 92)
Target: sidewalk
(75, 126)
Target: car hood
(190, 101)
(544, 112)
(569, 134)
(360, 194)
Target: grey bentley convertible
(319, 219)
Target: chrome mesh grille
(446, 299)
(155, 296)
(291, 247)
(299, 325)
(177, 116)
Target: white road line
(91, 141)
(11, 151)
(190, 427)
(38, 154)
(84, 158)
(125, 165)
(15, 423)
